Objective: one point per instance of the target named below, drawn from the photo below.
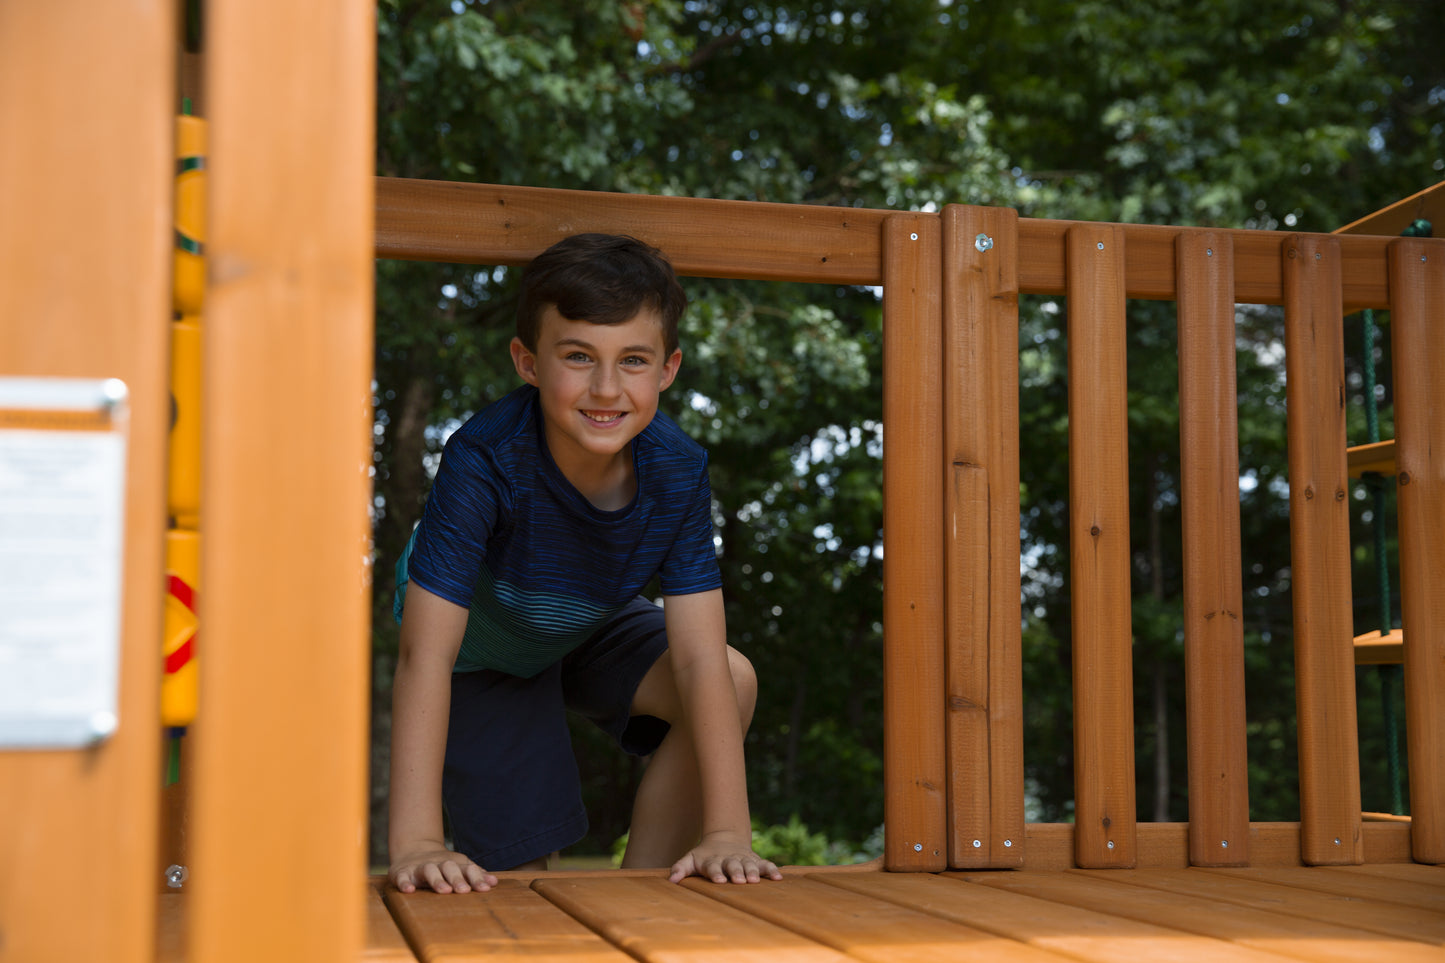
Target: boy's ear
(524, 361)
(670, 368)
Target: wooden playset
(276, 811)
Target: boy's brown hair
(603, 279)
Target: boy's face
(598, 382)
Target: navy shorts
(510, 782)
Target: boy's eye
(578, 356)
(634, 360)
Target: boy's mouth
(602, 417)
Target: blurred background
(1292, 115)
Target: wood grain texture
(915, 787)
(659, 922)
(981, 447)
(1417, 331)
(86, 180)
(1213, 582)
(1099, 549)
(280, 747)
(1320, 552)
(1255, 926)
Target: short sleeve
(461, 514)
(691, 564)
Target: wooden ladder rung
(1378, 458)
(1372, 648)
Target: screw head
(918, 847)
(977, 844)
(1008, 844)
(913, 237)
(1100, 245)
(176, 876)
(1111, 844)
(1224, 844)
(982, 243)
(1209, 252)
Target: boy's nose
(605, 382)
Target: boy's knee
(745, 681)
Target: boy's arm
(431, 634)
(697, 641)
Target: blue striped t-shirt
(538, 566)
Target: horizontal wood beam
(461, 223)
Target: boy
(552, 509)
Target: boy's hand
(721, 859)
(440, 870)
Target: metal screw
(1008, 844)
(1337, 840)
(918, 847)
(1317, 255)
(1101, 245)
(913, 237)
(1224, 844)
(983, 243)
(1111, 844)
(176, 876)
(977, 844)
(1209, 252)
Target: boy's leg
(667, 814)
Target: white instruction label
(62, 508)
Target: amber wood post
(279, 813)
(913, 660)
(1417, 332)
(1213, 586)
(86, 93)
(1320, 551)
(981, 503)
(1103, 671)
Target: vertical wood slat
(1213, 583)
(1417, 325)
(913, 618)
(981, 480)
(1104, 803)
(1320, 551)
(86, 182)
(280, 745)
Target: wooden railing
(953, 735)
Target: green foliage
(1299, 114)
(793, 844)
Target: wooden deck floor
(1387, 912)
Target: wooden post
(85, 256)
(1417, 331)
(1320, 552)
(1213, 586)
(1099, 549)
(981, 479)
(913, 659)
(279, 816)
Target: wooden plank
(1320, 552)
(1099, 549)
(1245, 925)
(1372, 648)
(384, 942)
(1352, 886)
(1166, 845)
(507, 922)
(1149, 271)
(1415, 872)
(660, 922)
(1225, 886)
(703, 237)
(86, 179)
(1228, 885)
(865, 928)
(913, 618)
(1213, 583)
(281, 744)
(981, 441)
(1067, 930)
(1417, 331)
(1394, 218)
(1378, 457)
